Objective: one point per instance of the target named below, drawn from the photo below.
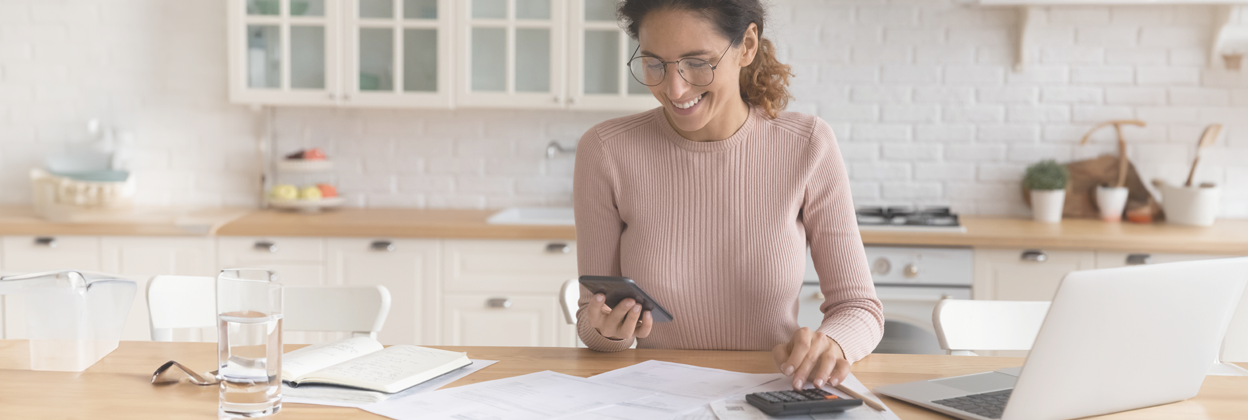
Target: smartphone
(619, 288)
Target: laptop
(1113, 340)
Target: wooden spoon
(1206, 140)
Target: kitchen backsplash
(920, 93)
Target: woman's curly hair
(765, 82)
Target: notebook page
(390, 366)
(313, 358)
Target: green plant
(1046, 175)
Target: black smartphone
(617, 289)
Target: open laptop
(1113, 340)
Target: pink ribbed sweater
(717, 231)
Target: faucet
(554, 149)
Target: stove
(923, 219)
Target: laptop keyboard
(988, 404)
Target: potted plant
(1047, 181)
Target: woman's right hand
(623, 322)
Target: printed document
(541, 395)
(736, 408)
(678, 390)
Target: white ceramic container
(1111, 201)
(1194, 206)
(1046, 205)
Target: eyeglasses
(650, 71)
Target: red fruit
(314, 154)
(327, 190)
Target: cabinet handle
(555, 99)
(572, 100)
(265, 246)
(1139, 259)
(1034, 255)
(47, 241)
(386, 246)
(503, 303)
(911, 270)
(332, 96)
(558, 248)
(346, 97)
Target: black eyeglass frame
(629, 65)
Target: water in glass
(250, 346)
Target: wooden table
(119, 386)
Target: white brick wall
(922, 96)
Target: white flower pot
(1046, 205)
(1193, 206)
(1111, 201)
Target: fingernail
(797, 383)
(600, 298)
(818, 383)
(648, 316)
(788, 370)
(636, 309)
(833, 382)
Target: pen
(870, 402)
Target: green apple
(285, 192)
(310, 193)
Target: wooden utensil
(1206, 140)
(1122, 146)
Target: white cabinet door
(29, 254)
(598, 53)
(297, 261)
(284, 52)
(1019, 274)
(398, 53)
(511, 53)
(408, 268)
(141, 258)
(502, 319)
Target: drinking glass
(249, 343)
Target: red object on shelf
(327, 190)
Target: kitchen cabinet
(398, 53)
(506, 292)
(1025, 274)
(409, 270)
(297, 261)
(284, 52)
(141, 258)
(598, 54)
(511, 53)
(30, 254)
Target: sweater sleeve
(852, 314)
(598, 229)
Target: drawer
(502, 319)
(507, 265)
(25, 254)
(240, 251)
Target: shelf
(305, 166)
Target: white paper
(736, 408)
(313, 358)
(541, 395)
(678, 389)
(359, 398)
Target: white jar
(1194, 206)
(1110, 201)
(1046, 205)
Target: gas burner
(907, 216)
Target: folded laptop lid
(1125, 338)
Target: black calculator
(806, 401)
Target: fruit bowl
(306, 206)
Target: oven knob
(911, 270)
(881, 266)
(817, 296)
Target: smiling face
(697, 112)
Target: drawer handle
(558, 248)
(502, 303)
(1139, 259)
(47, 241)
(386, 246)
(1034, 255)
(265, 246)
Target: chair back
(180, 302)
(569, 294)
(360, 310)
(965, 325)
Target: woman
(709, 201)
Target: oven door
(907, 315)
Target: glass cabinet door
(399, 53)
(599, 51)
(283, 51)
(512, 53)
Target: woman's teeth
(691, 103)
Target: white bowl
(307, 206)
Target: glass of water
(249, 343)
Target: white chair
(965, 325)
(187, 302)
(569, 294)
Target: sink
(560, 216)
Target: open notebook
(362, 362)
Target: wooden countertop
(1226, 237)
(119, 386)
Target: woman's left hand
(813, 357)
